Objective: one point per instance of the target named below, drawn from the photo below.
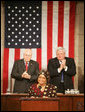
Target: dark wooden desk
(32, 104)
(71, 102)
(66, 102)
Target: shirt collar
(25, 62)
(60, 61)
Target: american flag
(42, 26)
(23, 24)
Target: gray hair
(60, 48)
(27, 50)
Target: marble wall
(79, 46)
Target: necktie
(26, 66)
(62, 80)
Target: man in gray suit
(25, 71)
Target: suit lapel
(30, 65)
(23, 65)
(66, 60)
(57, 62)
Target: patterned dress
(49, 91)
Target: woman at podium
(42, 88)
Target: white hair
(27, 50)
(60, 48)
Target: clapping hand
(63, 64)
(26, 75)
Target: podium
(33, 104)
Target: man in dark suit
(61, 69)
(25, 71)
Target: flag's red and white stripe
(58, 24)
